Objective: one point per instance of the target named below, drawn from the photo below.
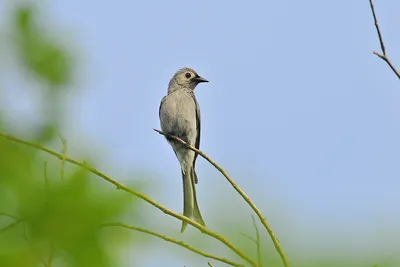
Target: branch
(241, 192)
(178, 216)
(383, 56)
(178, 242)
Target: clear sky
(298, 110)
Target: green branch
(178, 216)
(241, 193)
(177, 242)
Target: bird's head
(185, 78)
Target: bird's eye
(188, 75)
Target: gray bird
(180, 116)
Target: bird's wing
(161, 103)
(198, 129)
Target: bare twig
(177, 242)
(240, 191)
(209, 264)
(178, 216)
(383, 56)
(258, 244)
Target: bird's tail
(190, 206)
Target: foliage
(45, 217)
(58, 218)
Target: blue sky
(298, 110)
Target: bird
(179, 114)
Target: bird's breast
(178, 116)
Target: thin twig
(209, 264)
(383, 55)
(177, 242)
(178, 216)
(241, 192)
(258, 244)
(377, 27)
(256, 241)
(249, 237)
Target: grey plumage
(180, 116)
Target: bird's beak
(200, 79)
